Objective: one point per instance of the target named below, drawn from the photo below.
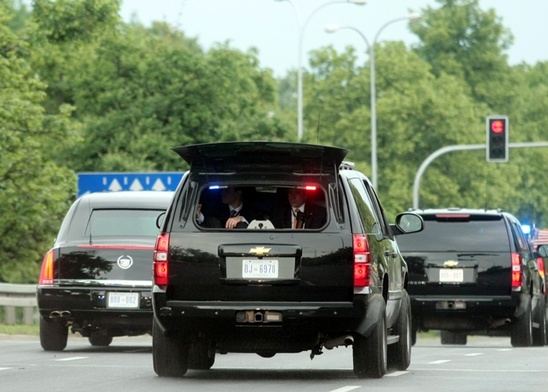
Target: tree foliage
(84, 91)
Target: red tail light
(46, 272)
(362, 260)
(516, 270)
(160, 261)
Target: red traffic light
(497, 126)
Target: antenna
(318, 129)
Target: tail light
(542, 272)
(46, 271)
(516, 271)
(362, 260)
(160, 261)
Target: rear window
(266, 206)
(114, 222)
(470, 234)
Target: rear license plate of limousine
(451, 275)
(259, 269)
(123, 300)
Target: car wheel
(201, 356)
(451, 337)
(539, 334)
(399, 354)
(169, 355)
(53, 334)
(522, 329)
(370, 354)
(99, 340)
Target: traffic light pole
(458, 147)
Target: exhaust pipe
(59, 314)
(499, 323)
(345, 340)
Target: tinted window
(365, 205)
(123, 223)
(457, 235)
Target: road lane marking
(473, 354)
(396, 374)
(4, 368)
(439, 362)
(71, 358)
(346, 389)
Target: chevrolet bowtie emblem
(450, 263)
(260, 250)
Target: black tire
(451, 337)
(522, 329)
(370, 354)
(169, 355)
(399, 354)
(539, 334)
(53, 334)
(99, 340)
(201, 356)
(414, 334)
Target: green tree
(35, 190)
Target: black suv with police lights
(472, 272)
(96, 280)
(265, 285)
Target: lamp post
(302, 27)
(371, 50)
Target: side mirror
(407, 223)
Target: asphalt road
(484, 364)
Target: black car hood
(230, 157)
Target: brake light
(46, 271)
(362, 260)
(516, 271)
(160, 261)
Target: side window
(365, 206)
(380, 211)
(520, 238)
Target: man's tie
(233, 213)
(298, 222)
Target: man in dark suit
(233, 213)
(299, 213)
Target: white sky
(271, 25)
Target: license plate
(257, 269)
(451, 275)
(123, 300)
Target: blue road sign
(113, 182)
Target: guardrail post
(9, 315)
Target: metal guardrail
(14, 296)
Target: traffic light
(498, 129)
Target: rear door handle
(390, 254)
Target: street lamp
(302, 27)
(371, 50)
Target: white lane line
(396, 374)
(345, 389)
(473, 354)
(4, 368)
(505, 349)
(71, 358)
(439, 362)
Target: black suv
(473, 271)
(258, 283)
(96, 280)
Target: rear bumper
(288, 319)
(86, 308)
(467, 313)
